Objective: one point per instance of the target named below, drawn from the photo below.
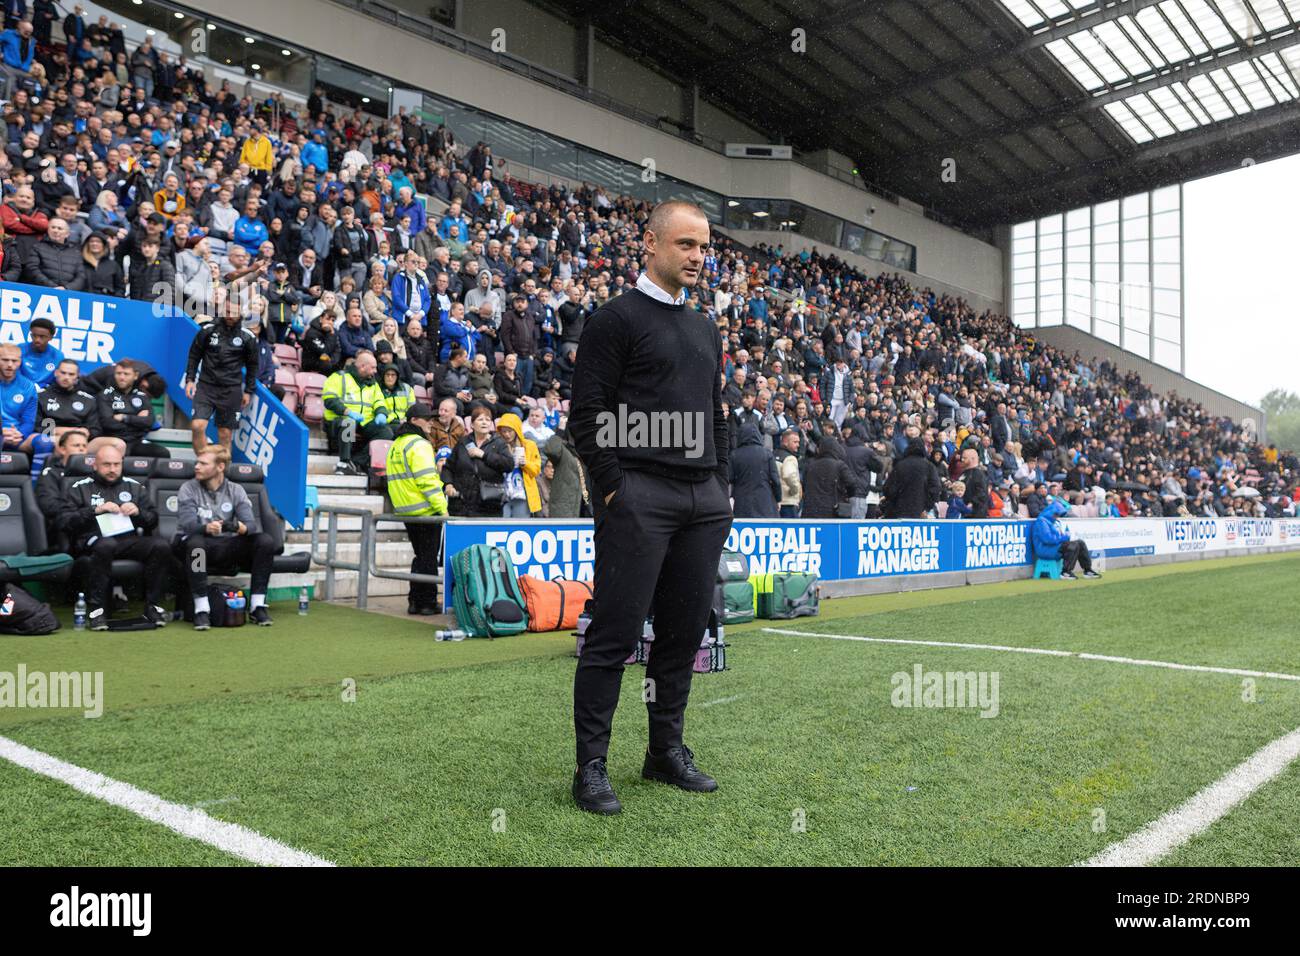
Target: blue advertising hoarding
(833, 550)
(97, 330)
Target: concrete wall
(943, 254)
(1161, 379)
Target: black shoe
(201, 621)
(346, 468)
(1067, 576)
(592, 790)
(156, 615)
(1092, 574)
(98, 619)
(422, 611)
(261, 616)
(677, 766)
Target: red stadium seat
(288, 357)
(422, 394)
(378, 462)
(285, 379)
(310, 385)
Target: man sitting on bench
(108, 516)
(216, 528)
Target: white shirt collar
(644, 284)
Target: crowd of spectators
(125, 173)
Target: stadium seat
(289, 358)
(168, 476)
(285, 379)
(1023, 511)
(310, 386)
(138, 468)
(422, 394)
(250, 477)
(378, 472)
(1047, 567)
(22, 526)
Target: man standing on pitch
(648, 423)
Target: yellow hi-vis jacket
(414, 485)
(395, 403)
(355, 397)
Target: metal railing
(367, 564)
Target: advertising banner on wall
(848, 550)
(96, 330)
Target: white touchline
(1081, 655)
(1179, 825)
(1184, 822)
(187, 821)
(721, 700)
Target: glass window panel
(1166, 277)
(1165, 224)
(1166, 250)
(1105, 212)
(1167, 303)
(1167, 355)
(1023, 231)
(1108, 331)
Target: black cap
(279, 265)
(420, 410)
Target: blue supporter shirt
(39, 367)
(18, 405)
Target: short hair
(220, 452)
(661, 213)
(8, 348)
(63, 439)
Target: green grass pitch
(461, 753)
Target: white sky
(1241, 269)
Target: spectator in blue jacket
(454, 217)
(408, 205)
(19, 47)
(1051, 542)
(313, 153)
(17, 401)
(456, 332)
(411, 297)
(354, 335)
(250, 231)
(40, 358)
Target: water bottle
(302, 602)
(79, 613)
(452, 635)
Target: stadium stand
(162, 155)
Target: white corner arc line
(187, 821)
(1208, 805)
(1081, 655)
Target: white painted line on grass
(1081, 655)
(187, 821)
(721, 700)
(1179, 825)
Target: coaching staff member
(221, 374)
(662, 513)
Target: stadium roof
(1044, 104)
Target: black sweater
(650, 357)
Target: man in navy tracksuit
(648, 423)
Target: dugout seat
(288, 357)
(251, 478)
(22, 526)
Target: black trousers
(425, 540)
(226, 553)
(1073, 551)
(153, 552)
(357, 451)
(657, 544)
